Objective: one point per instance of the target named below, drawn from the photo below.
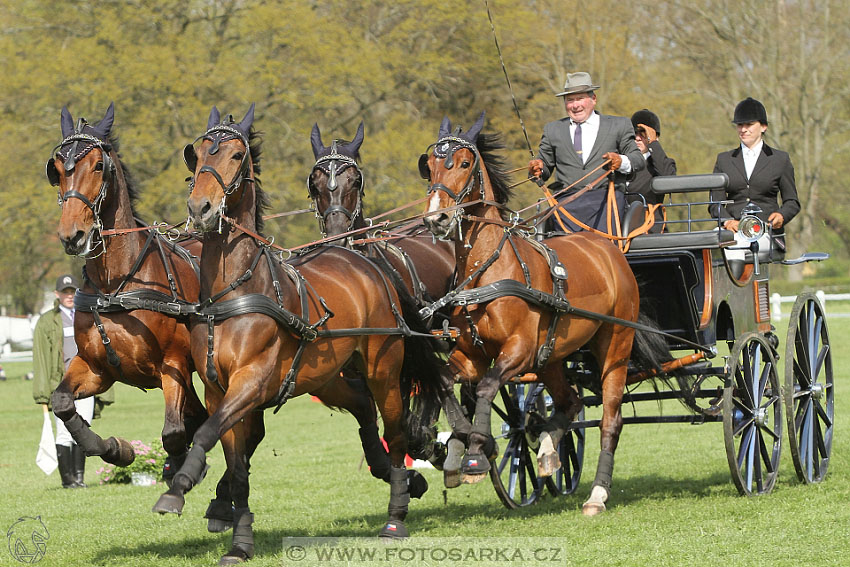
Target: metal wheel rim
(752, 415)
(514, 471)
(809, 391)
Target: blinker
(52, 172)
(424, 170)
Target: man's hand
(776, 220)
(648, 132)
(535, 167)
(616, 160)
(731, 224)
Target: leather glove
(535, 168)
(649, 133)
(616, 160)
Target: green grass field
(673, 502)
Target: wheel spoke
(744, 390)
(743, 450)
(766, 454)
(819, 364)
(822, 414)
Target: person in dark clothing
(647, 127)
(758, 174)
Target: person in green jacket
(53, 348)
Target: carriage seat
(698, 239)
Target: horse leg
(384, 385)
(81, 382)
(459, 366)
(220, 511)
(482, 446)
(175, 438)
(242, 545)
(613, 350)
(567, 405)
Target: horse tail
(650, 350)
(420, 372)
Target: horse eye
(98, 166)
(465, 164)
(238, 156)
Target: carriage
(700, 297)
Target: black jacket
(773, 175)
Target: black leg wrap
(193, 469)
(219, 515)
(604, 470)
(454, 415)
(481, 426)
(399, 493)
(399, 500)
(243, 538)
(171, 466)
(88, 440)
(376, 455)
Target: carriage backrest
(663, 185)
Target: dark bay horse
(337, 188)
(426, 268)
(131, 324)
(271, 330)
(507, 328)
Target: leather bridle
(80, 145)
(445, 148)
(333, 165)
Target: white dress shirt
(589, 131)
(751, 156)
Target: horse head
(82, 168)
(222, 167)
(335, 183)
(453, 169)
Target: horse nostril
(206, 208)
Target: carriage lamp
(751, 228)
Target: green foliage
(400, 67)
(149, 460)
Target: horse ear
(472, 134)
(215, 118)
(248, 120)
(316, 141)
(354, 145)
(66, 121)
(104, 127)
(445, 127)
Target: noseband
(333, 165)
(79, 146)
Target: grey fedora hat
(578, 83)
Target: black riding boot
(66, 466)
(78, 458)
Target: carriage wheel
(571, 452)
(752, 415)
(521, 411)
(809, 389)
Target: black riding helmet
(750, 110)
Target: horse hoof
(417, 485)
(473, 478)
(592, 508)
(452, 479)
(120, 453)
(548, 464)
(169, 504)
(451, 466)
(394, 529)
(235, 556)
(216, 526)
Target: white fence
(777, 300)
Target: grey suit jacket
(616, 134)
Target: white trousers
(85, 407)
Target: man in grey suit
(573, 146)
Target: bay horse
(424, 266)
(271, 330)
(513, 302)
(131, 322)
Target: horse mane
(490, 147)
(255, 142)
(129, 179)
